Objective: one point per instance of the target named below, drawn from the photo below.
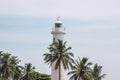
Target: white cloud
(83, 9)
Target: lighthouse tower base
(55, 73)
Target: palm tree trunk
(79, 78)
(60, 71)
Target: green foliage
(7, 65)
(81, 70)
(97, 69)
(29, 72)
(10, 69)
(60, 55)
(41, 76)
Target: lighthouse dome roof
(58, 21)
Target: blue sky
(92, 26)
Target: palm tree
(97, 72)
(1, 55)
(59, 55)
(18, 69)
(7, 69)
(18, 73)
(29, 72)
(81, 70)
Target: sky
(92, 27)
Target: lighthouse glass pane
(57, 25)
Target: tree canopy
(10, 69)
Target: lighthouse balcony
(58, 30)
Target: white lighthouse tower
(58, 33)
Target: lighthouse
(58, 33)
